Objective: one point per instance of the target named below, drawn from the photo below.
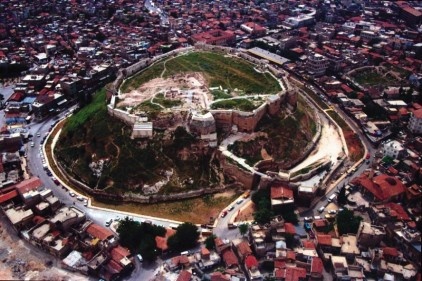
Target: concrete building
(66, 217)
(415, 122)
(317, 64)
(370, 235)
(394, 149)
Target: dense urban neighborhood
(210, 140)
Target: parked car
(246, 194)
(108, 223)
(140, 257)
(224, 214)
(239, 201)
(72, 194)
(32, 144)
(231, 208)
(308, 219)
(332, 212)
(320, 210)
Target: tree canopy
(243, 228)
(139, 237)
(186, 237)
(347, 222)
(263, 213)
(209, 242)
(342, 199)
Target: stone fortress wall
(225, 119)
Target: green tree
(129, 234)
(139, 237)
(243, 228)
(342, 199)
(291, 217)
(347, 222)
(210, 242)
(263, 216)
(186, 237)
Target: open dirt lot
(190, 88)
(20, 261)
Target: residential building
(317, 64)
(415, 122)
(394, 149)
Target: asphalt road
(146, 271)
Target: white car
(32, 144)
(332, 212)
(307, 219)
(239, 201)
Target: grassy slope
(230, 73)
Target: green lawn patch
(240, 104)
(228, 72)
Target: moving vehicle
(140, 258)
(230, 208)
(320, 210)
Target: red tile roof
(251, 261)
(417, 113)
(316, 265)
(307, 244)
(205, 251)
(230, 258)
(244, 249)
(290, 228)
(397, 211)
(383, 186)
(218, 276)
(113, 267)
(119, 252)
(291, 255)
(389, 251)
(320, 223)
(161, 242)
(28, 185)
(184, 276)
(278, 192)
(98, 231)
(279, 264)
(8, 196)
(324, 239)
(291, 273)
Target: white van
(332, 197)
(185, 253)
